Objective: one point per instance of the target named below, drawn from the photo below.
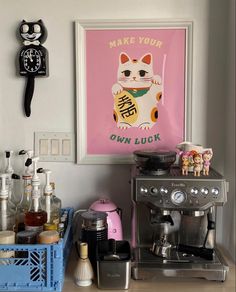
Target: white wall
(53, 107)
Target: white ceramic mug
(189, 146)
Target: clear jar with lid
(6, 237)
(25, 237)
(48, 237)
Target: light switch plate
(55, 146)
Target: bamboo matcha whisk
(83, 274)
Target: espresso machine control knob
(178, 197)
(143, 191)
(194, 191)
(215, 192)
(153, 191)
(163, 190)
(204, 191)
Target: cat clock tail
(29, 91)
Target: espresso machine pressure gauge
(178, 197)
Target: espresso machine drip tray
(150, 266)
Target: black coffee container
(25, 237)
(94, 229)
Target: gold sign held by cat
(126, 107)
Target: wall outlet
(54, 146)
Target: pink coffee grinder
(113, 217)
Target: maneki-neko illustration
(136, 93)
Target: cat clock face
(32, 60)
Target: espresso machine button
(143, 191)
(194, 191)
(163, 191)
(204, 191)
(153, 191)
(178, 197)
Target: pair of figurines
(194, 158)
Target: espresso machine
(174, 219)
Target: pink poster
(135, 89)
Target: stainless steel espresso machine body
(174, 223)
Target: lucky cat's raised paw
(156, 80)
(116, 89)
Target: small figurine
(197, 159)
(206, 156)
(185, 162)
(190, 159)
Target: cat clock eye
(33, 57)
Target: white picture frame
(81, 28)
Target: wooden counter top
(165, 284)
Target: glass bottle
(35, 218)
(24, 205)
(9, 181)
(55, 198)
(50, 203)
(16, 196)
(7, 214)
(25, 202)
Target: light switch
(55, 146)
(43, 146)
(66, 145)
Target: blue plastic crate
(43, 265)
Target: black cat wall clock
(33, 57)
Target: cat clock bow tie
(27, 43)
(33, 57)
